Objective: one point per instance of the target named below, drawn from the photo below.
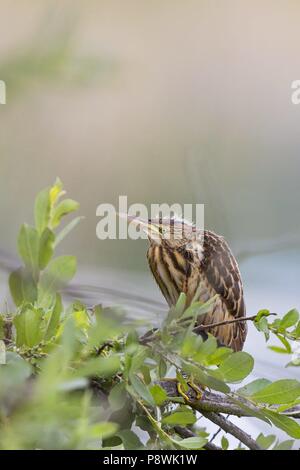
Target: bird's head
(172, 232)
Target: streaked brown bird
(199, 263)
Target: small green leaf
(289, 319)
(265, 441)
(284, 445)
(183, 418)
(130, 440)
(281, 391)
(219, 356)
(206, 378)
(159, 394)
(200, 308)
(42, 210)
(22, 286)
(236, 367)
(224, 443)
(102, 430)
(262, 313)
(117, 396)
(28, 329)
(141, 389)
(46, 247)
(52, 319)
(278, 349)
(253, 387)
(99, 367)
(180, 304)
(192, 443)
(205, 349)
(28, 247)
(65, 207)
(285, 423)
(262, 325)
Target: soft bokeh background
(162, 101)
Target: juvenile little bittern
(200, 264)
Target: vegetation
(79, 378)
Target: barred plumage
(200, 264)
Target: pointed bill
(151, 229)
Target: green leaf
(278, 349)
(162, 368)
(117, 396)
(262, 325)
(192, 443)
(63, 208)
(284, 445)
(219, 356)
(28, 329)
(183, 418)
(58, 273)
(285, 423)
(66, 230)
(265, 441)
(42, 210)
(253, 387)
(159, 394)
(289, 319)
(52, 319)
(262, 313)
(130, 440)
(205, 349)
(141, 389)
(281, 391)
(200, 308)
(28, 247)
(46, 247)
(102, 430)
(205, 378)
(22, 286)
(236, 367)
(99, 367)
(180, 304)
(224, 443)
(296, 331)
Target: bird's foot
(183, 389)
(196, 388)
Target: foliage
(79, 378)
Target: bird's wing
(222, 272)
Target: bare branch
(232, 429)
(199, 328)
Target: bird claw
(198, 391)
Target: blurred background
(162, 101)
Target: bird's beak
(150, 228)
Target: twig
(185, 433)
(216, 434)
(225, 322)
(232, 429)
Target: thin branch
(185, 433)
(226, 322)
(232, 429)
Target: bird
(200, 264)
